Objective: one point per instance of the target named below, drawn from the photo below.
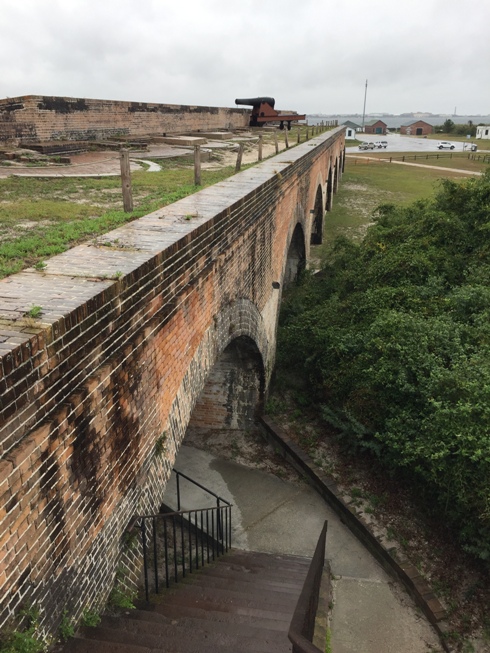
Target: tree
(448, 126)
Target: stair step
(197, 639)
(79, 645)
(240, 603)
(163, 625)
(195, 613)
(237, 582)
(251, 596)
(246, 608)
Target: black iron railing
(302, 625)
(176, 543)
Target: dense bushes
(394, 340)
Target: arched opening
(329, 202)
(336, 176)
(316, 237)
(296, 259)
(233, 395)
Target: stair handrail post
(178, 491)
(155, 555)
(145, 558)
(219, 525)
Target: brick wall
(127, 338)
(419, 128)
(39, 118)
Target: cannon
(263, 112)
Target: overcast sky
(311, 55)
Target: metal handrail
(176, 543)
(179, 474)
(303, 622)
(219, 500)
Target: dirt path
(420, 165)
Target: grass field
(460, 160)
(43, 217)
(46, 216)
(364, 187)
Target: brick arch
(336, 175)
(317, 219)
(330, 189)
(295, 260)
(237, 330)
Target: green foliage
(448, 126)
(27, 640)
(66, 628)
(161, 445)
(90, 618)
(34, 312)
(394, 341)
(120, 598)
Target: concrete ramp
(371, 614)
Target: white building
(483, 131)
(351, 129)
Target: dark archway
(329, 202)
(316, 237)
(233, 394)
(296, 259)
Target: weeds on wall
(28, 640)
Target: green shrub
(394, 341)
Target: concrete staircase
(242, 603)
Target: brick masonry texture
(127, 337)
(38, 118)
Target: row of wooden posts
(311, 130)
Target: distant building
(352, 129)
(483, 131)
(375, 127)
(416, 128)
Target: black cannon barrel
(256, 101)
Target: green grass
(46, 216)
(43, 217)
(364, 187)
(460, 160)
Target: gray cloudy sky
(311, 55)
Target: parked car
(367, 146)
(445, 145)
(381, 144)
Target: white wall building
(483, 131)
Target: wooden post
(239, 157)
(299, 135)
(276, 143)
(197, 165)
(286, 138)
(126, 181)
(261, 141)
(307, 135)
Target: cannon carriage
(263, 112)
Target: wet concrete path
(371, 613)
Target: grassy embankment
(364, 186)
(43, 217)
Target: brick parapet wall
(115, 362)
(39, 118)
